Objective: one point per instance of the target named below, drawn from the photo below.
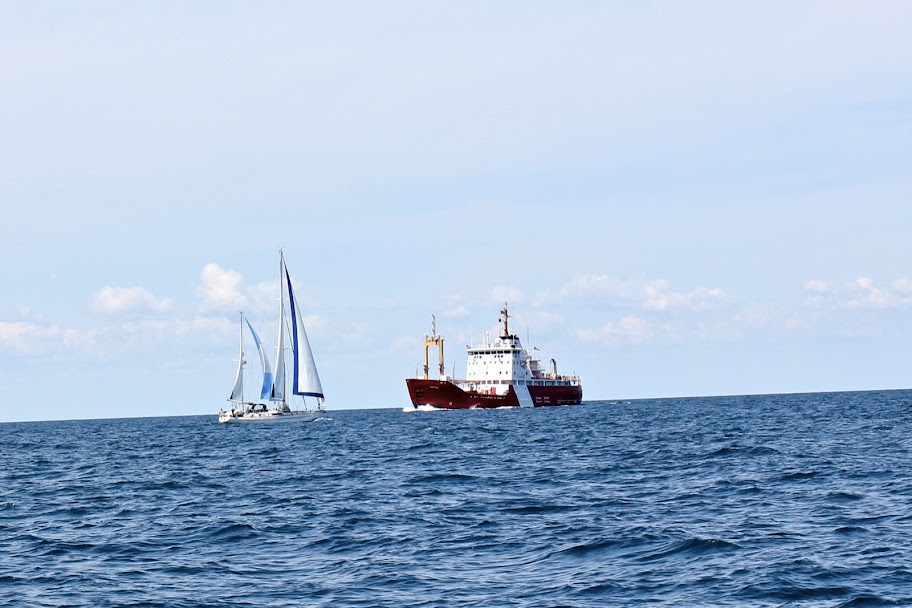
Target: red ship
(498, 374)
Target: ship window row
(514, 362)
(498, 363)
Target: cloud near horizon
(23, 338)
(861, 293)
(120, 300)
(108, 341)
(632, 328)
(660, 296)
(653, 295)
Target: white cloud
(816, 286)
(655, 295)
(864, 294)
(632, 328)
(819, 293)
(221, 289)
(115, 339)
(118, 300)
(83, 338)
(861, 293)
(903, 284)
(660, 296)
(149, 335)
(27, 338)
(760, 316)
(589, 287)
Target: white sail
(264, 364)
(278, 376)
(306, 379)
(237, 393)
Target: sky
(676, 199)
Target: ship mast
(505, 319)
(433, 340)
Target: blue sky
(694, 198)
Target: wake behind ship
(498, 374)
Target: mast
(282, 275)
(505, 319)
(278, 385)
(305, 380)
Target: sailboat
(273, 405)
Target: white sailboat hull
(267, 417)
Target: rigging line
(264, 297)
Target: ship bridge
(504, 362)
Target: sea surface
(780, 500)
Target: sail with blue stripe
(305, 381)
(264, 363)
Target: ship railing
(543, 381)
(550, 376)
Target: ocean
(777, 500)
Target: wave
(844, 496)
(798, 476)
(442, 477)
(737, 450)
(538, 509)
(691, 546)
(409, 409)
(867, 600)
(586, 549)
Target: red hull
(446, 395)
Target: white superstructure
(493, 366)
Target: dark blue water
(791, 500)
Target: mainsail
(278, 377)
(306, 380)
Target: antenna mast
(505, 319)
